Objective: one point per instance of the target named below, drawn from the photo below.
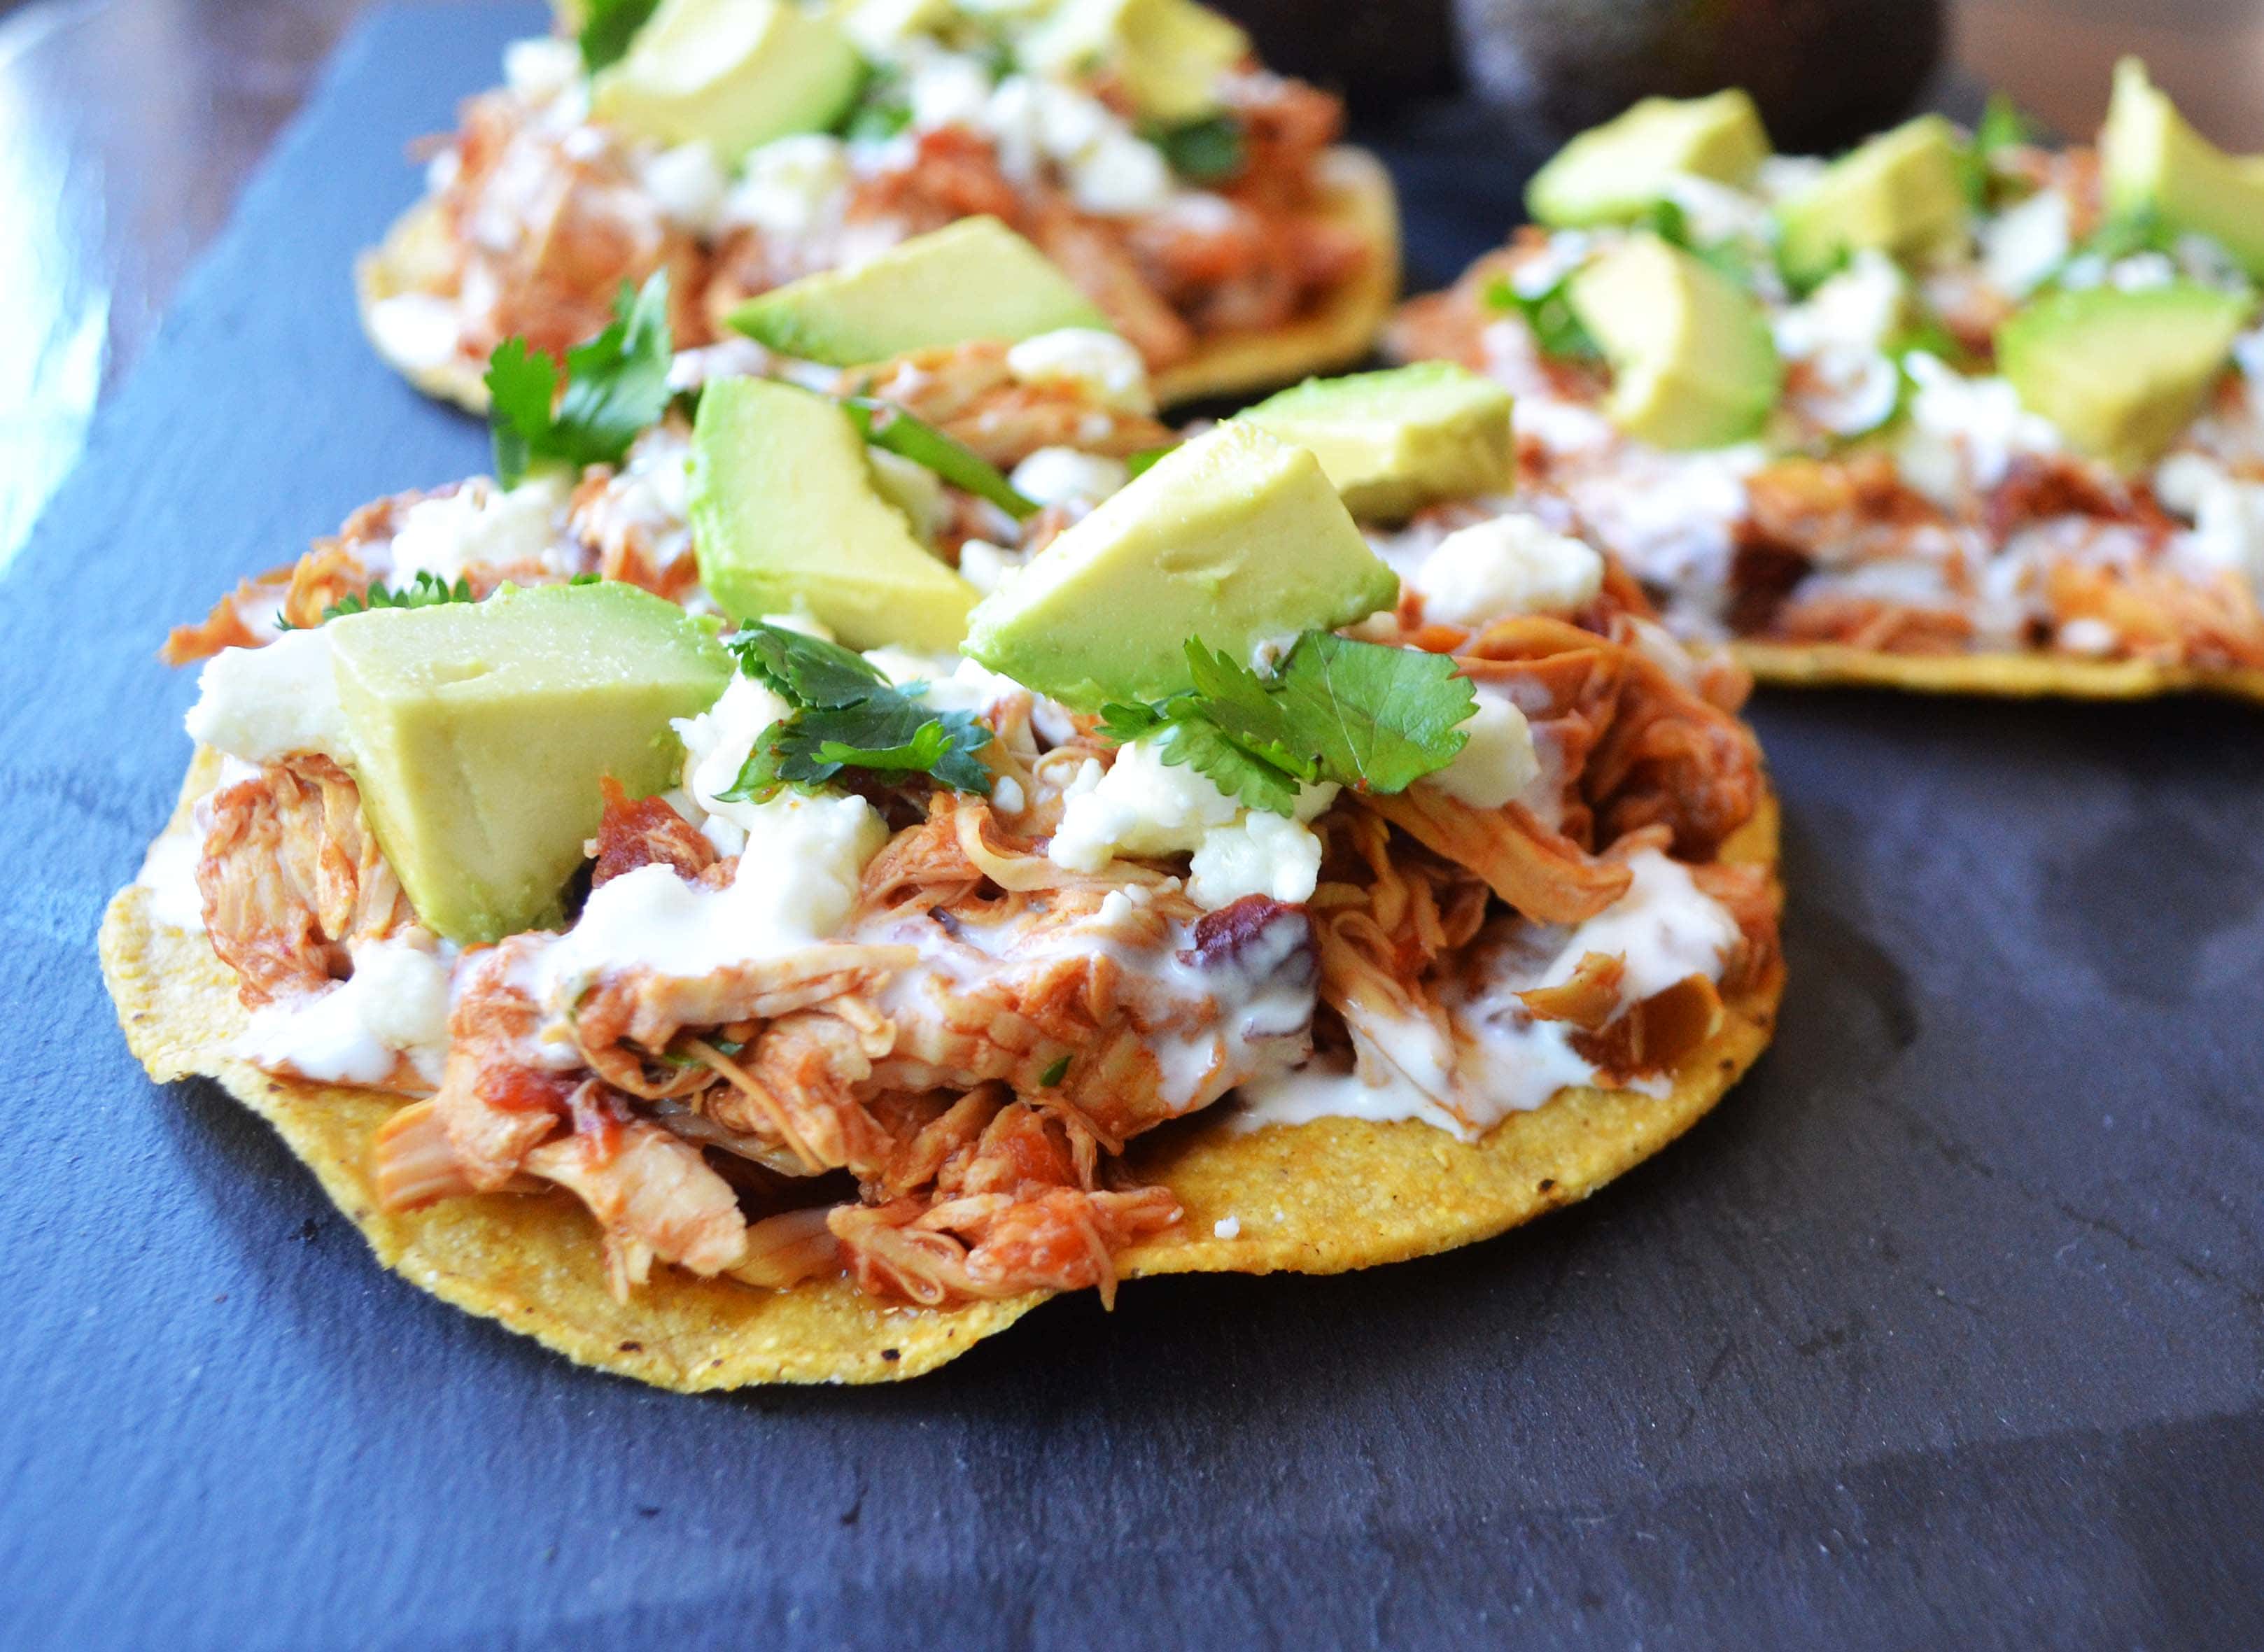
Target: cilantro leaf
(428, 590)
(847, 716)
(806, 671)
(607, 27)
(889, 427)
(1359, 714)
(522, 384)
(1207, 151)
(1145, 460)
(1555, 327)
(1230, 766)
(2003, 127)
(616, 385)
(1378, 718)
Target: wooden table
(127, 127)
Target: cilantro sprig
(886, 426)
(1362, 715)
(607, 28)
(847, 716)
(1210, 150)
(616, 385)
(1556, 328)
(2003, 127)
(428, 590)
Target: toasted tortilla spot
(2031, 676)
(1342, 332)
(1341, 1193)
(532, 1263)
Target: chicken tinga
(1201, 205)
(788, 997)
(1952, 411)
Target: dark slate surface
(1945, 1329)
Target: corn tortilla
(532, 1262)
(1349, 1193)
(1341, 1193)
(2032, 675)
(1338, 335)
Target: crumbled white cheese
(947, 88)
(791, 187)
(1715, 212)
(1122, 175)
(395, 1004)
(266, 704)
(1564, 251)
(1509, 564)
(1062, 476)
(687, 183)
(1497, 762)
(1007, 796)
(986, 566)
(2227, 513)
(2086, 635)
(1111, 169)
(1260, 853)
(479, 525)
(2142, 271)
(946, 682)
(1101, 364)
(416, 329)
(2025, 243)
(1963, 433)
(715, 747)
(795, 884)
(1227, 1228)
(1141, 805)
(540, 69)
(1860, 309)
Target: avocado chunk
(973, 279)
(1693, 362)
(1168, 54)
(1613, 172)
(732, 74)
(2153, 161)
(786, 513)
(481, 732)
(1902, 193)
(1394, 442)
(1233, 539)
(2120, 373)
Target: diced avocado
(1693, 363)
(1168, 54)
(730, 73)
(1612, 173)
(2120, 373)
(972, 279)
(1902, 193)
(1233, 537)
(1394, 442)
(2153, 161)
(786, 514)
(481, 732)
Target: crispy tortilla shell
(414, 257)
(531, 1262)
(1341, 1193)
(2031, 676)
(1325, 1197)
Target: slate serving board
(1946, 1327)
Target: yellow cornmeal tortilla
(531, 1262)
(2031, 676)
(1350, 1193)
(1341, 1193)
(1340, 333)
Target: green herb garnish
(1054, 1074)
(1207, 151)
(607, 28)
(428, 590)
(1141, 463)
(889, 427)
(1555, 327)
(2003, 127)
(1371, 717)
(616, 385)
(847, 716)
